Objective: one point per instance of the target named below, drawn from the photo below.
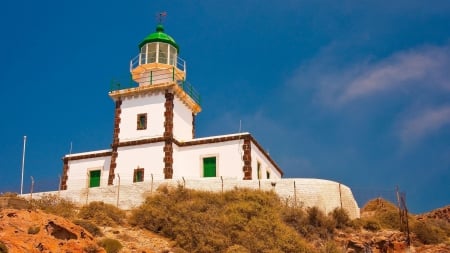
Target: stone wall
(325, 194)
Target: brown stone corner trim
(115, 144)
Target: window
(209, 166)
(267, 174)
(138, 175)
(142, 121)
(94, 178)
(258, 169)
(163, 50)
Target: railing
(156, 77)
(140, 59)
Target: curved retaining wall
(326, 195)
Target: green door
(94, 178)
(209, 167)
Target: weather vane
(161, 16)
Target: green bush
(3, 248)
(213, 222)
(53, 204)
(428, 233)
(110, 245)
(33, 230)
(371, 225)
(340, 218)
(237, 249)
(89, 226)
(330, 247)
(102, 214)
(92, 248)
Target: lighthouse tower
(154, 131)
(161, 108)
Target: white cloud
(423, 65)
(337, 83)
(425, 123)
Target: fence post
(221, 179)
(340, 194)
(59, 186)
(184, 183)
(31, 189)
(151, 185)
(87, 190)
(295, 195)
(118, 190)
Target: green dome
(159, 36)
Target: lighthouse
(154, 130)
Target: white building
(154, 131)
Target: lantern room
(158, 60)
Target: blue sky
(352, 91)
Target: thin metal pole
(23, 163)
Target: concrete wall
(325, 194)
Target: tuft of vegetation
(340, 218)
(3, 248)
(215, 222)
(428, 233)
(51, 203)
(237, 249)
(102, 214)
(331, 247)
(89, 226)
(9, 195)
(92, 248)
(110, 245)
(34, 230)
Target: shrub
(371, 225)
(340, 218)
(428, 233)
(92, 248)
(237, 249)
(3, 248)
(102, 214)
(110, 245)
(33, 230)
(9, 194)
(213, 222)
(330, 247)
(89, 226)
(53, 204)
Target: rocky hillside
(24, 228)
(442, 214)
(36, 231)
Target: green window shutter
(94, 178)
(209, 167)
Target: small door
(94, 178)
(209, 166)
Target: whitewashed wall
(266, 165)
(305, 192)
(147, 156)
(188, 161)
(79, 169)
(153, 105)
(182, 121)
